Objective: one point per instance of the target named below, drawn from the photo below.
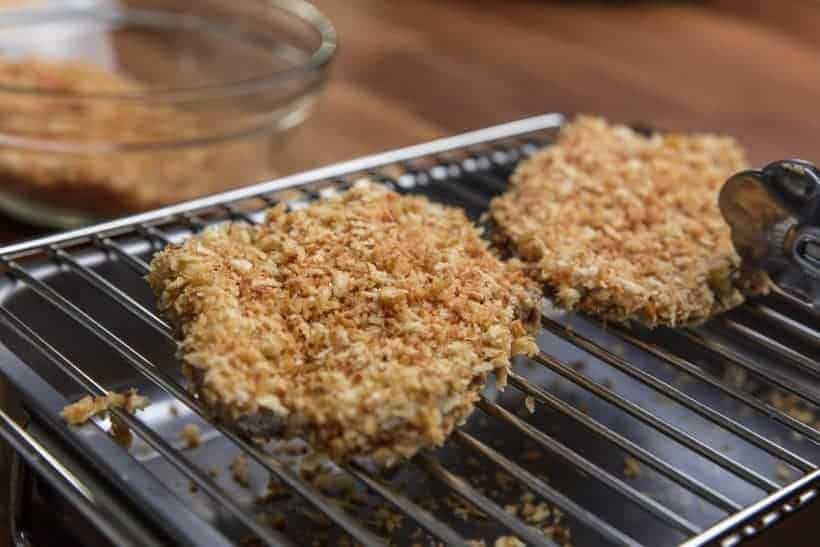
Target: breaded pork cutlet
(627, 227)
(365, 323)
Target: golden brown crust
(627, 227)
(365, 323)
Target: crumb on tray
(783, 472)
(632, 467)
(508, 541)
(529, 403)
(795, 407)
(191, 436)
(80, 412)
(239, 470)
(83, 410)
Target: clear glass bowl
(109, 108)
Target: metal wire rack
(703, 435)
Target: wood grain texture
(412, 71)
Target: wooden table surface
(411, 71)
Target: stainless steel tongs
(774, 214)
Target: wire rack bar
(605, 530)
(697, 372)
(115, 293)
(526, 533)
(797, 329)
(677, 395)
(711, 343)
(792, 300)
(135, 263)
(579, 462)
(779, 504)
(640, 453)
(422, 517)
(659, 424)
(806, 364)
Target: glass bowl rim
(320, 57)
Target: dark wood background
(409, 71)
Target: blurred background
(406, 72)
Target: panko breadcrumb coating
(627, 227)
(365, 323)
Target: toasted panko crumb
(529, 404)
(508, 541)
(239, 470)
(365, 323)
(627, 227)
(632, 467)
(191, 435)
(532, 512)
(464, 509)
(388, 520)
(83, 410)
(794, 406)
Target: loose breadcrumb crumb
(632, 467)
(239, 470)
(365, 323)
(463, 509)
(794, 406)
(508, 541)
(627, 227)
(83, 410)
(388, 520)
(532, 512)
(191, 436)
(529, 403)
